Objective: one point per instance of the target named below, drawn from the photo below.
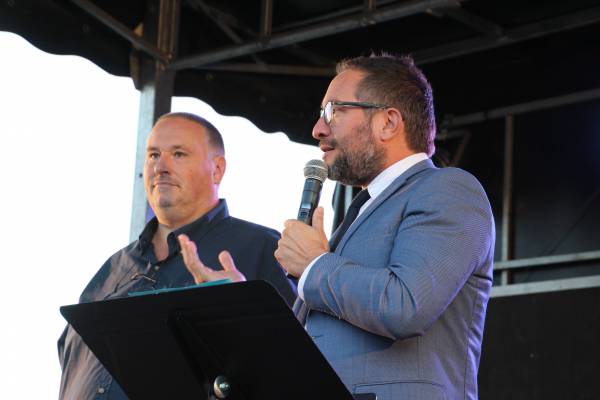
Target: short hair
(214, 136)
(396, 82)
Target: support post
(507, 243)
(266, 19)
(161, 26)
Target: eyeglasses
(328, 111)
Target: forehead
(344, 86)
(177, 131)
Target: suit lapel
(398, 183)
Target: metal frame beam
(460, 151)
(270, 69)
(227, 23)
(370, 6)
(217, 19)
(526, 32)
(220, 21)
(546, 286)
(266, 19)
(313, 32)
(311, 57)
(587, 256)
(121, 30)
(329, 16)
(522, 33)
(521, 108)
(474, 21)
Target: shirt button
(101, 390)
(156, 267)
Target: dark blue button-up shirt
(135, 268)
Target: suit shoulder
(451, 176)
(449, 184)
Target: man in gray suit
(397, 302)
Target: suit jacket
(398, 309)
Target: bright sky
(68, 133)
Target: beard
(359, 161)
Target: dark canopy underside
(478, 54)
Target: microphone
(315, 172)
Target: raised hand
(201, 272)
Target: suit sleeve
(445, 233)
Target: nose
(162, 165)
(321, 129)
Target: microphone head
(316, 169)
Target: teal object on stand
(166, 290)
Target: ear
(392, 124)
(219, 170)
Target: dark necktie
(351, 215)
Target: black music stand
(176, 344)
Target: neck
(173, 218)
(396, 156)
(167, 223)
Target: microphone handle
(310, 200)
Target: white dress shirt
(375, 188)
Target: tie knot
(360, 199)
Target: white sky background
(68, 135)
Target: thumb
(227, 261)
(231, 272)
(317, 219)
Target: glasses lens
(328, 114)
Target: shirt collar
(220, 211)
(388, 175)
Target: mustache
(328, 144)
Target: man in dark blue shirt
(184, 165)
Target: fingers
(189, 251)
(201, 272)
(230, 271)
(317, 219)
(190, 258)
(227, 261)
(287, 257)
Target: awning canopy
(271, 60)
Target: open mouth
(327, 150)
(325, 147)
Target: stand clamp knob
(221, 387)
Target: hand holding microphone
(304, 239)
(315, 172)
